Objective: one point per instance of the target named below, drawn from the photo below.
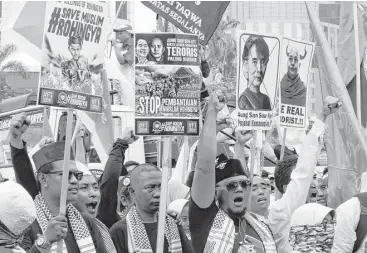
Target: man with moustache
(137, 232)
(220, 190)
(255, 59)
(78, 231)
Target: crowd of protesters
(222, 208)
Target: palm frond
(6, 51)
(15, 66)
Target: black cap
(227, 169)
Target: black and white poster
(257, 75)
(295, 63)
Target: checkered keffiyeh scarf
(77, 224)
(138, 240)
(222, 234)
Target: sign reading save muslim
(197, 17)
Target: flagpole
(358, 63)
(336, 78)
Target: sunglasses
(77, 174)
(231, 186)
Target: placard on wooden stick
(71, 66)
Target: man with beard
(83, 235)
(157, 49)
(255, 59)
(138, 231)
(293, 177)
(293, 89)
(220, 190)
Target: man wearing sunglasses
(77, 231)
(220, 192)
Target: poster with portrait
(73, 55)
(295, 63)
(166, 49)
(257, 75)
(167, 85)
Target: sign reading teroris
(197, 17)
(167, 84)
(72, 55)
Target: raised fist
(18, 125)
(128, 135)
(331, 105)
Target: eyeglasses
(77, 174)
(231, 186)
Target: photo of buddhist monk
(293, 88)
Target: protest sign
(167, 86)
(257, 75)
(196, 17)
(295, 62)
(167, 49)
(72, 55)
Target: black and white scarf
(77, 225)
(138, 240)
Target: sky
(145, 19)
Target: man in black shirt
(137, 232)
(219, 195)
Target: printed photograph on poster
(295, 63)
(167, 91)
(258, 63)
(73, 55)
(166, 49)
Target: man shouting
(219, 221)
(293, 89)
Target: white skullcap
(17, 209)
(310, 214)
(83, 168)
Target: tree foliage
(7, 65)
(222, 49)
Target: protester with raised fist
(219, 196)
(77, 231)
(293, 177)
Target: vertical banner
(257, 75)
(197, 17)
(72, 55)
(167, 84)
(295, 63)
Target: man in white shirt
(295, 191)
(351, 226)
